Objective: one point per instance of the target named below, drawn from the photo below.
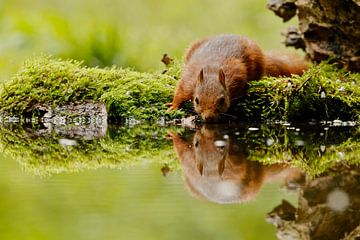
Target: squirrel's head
(211, 95)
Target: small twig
(302, 84)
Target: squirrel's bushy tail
(284, 64)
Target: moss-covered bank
(323, 92)
(127, 93)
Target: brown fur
(223, 175)
(240, 59)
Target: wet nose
(209, 117)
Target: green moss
(126, 93)
(314, 150)
(323, 92)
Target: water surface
(155, 182)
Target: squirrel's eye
(222, 100)
(197, 101)
(197, 143)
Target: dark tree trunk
(327, 29)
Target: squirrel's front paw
(171, 107)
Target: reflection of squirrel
(221, 172)
(218, 68)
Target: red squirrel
(217, 69)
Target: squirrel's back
(222, 50)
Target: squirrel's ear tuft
(222, 77)
(201, 76)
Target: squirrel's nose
(209, 117)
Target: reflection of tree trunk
(316, 217)
(327, 28)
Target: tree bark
(327, 29)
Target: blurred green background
(125, 33)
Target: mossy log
(327, 29)
(323, 92)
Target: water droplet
(337, 122)
(253, 129)
(299, 143)
(312, 122)
(288, 88)
(341, 89)
(322, 148)
(341, 155)
(297, 129)
(352, 124)
(67, 142)
(269, 141)
(322, 94)
(220, 143)
(237, 133)
(286, 124)
(226, 136)
(338, 200)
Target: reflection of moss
(122, 147)
(323, 92)
(313, 149)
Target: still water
(167, 182)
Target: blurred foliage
(125, 33)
